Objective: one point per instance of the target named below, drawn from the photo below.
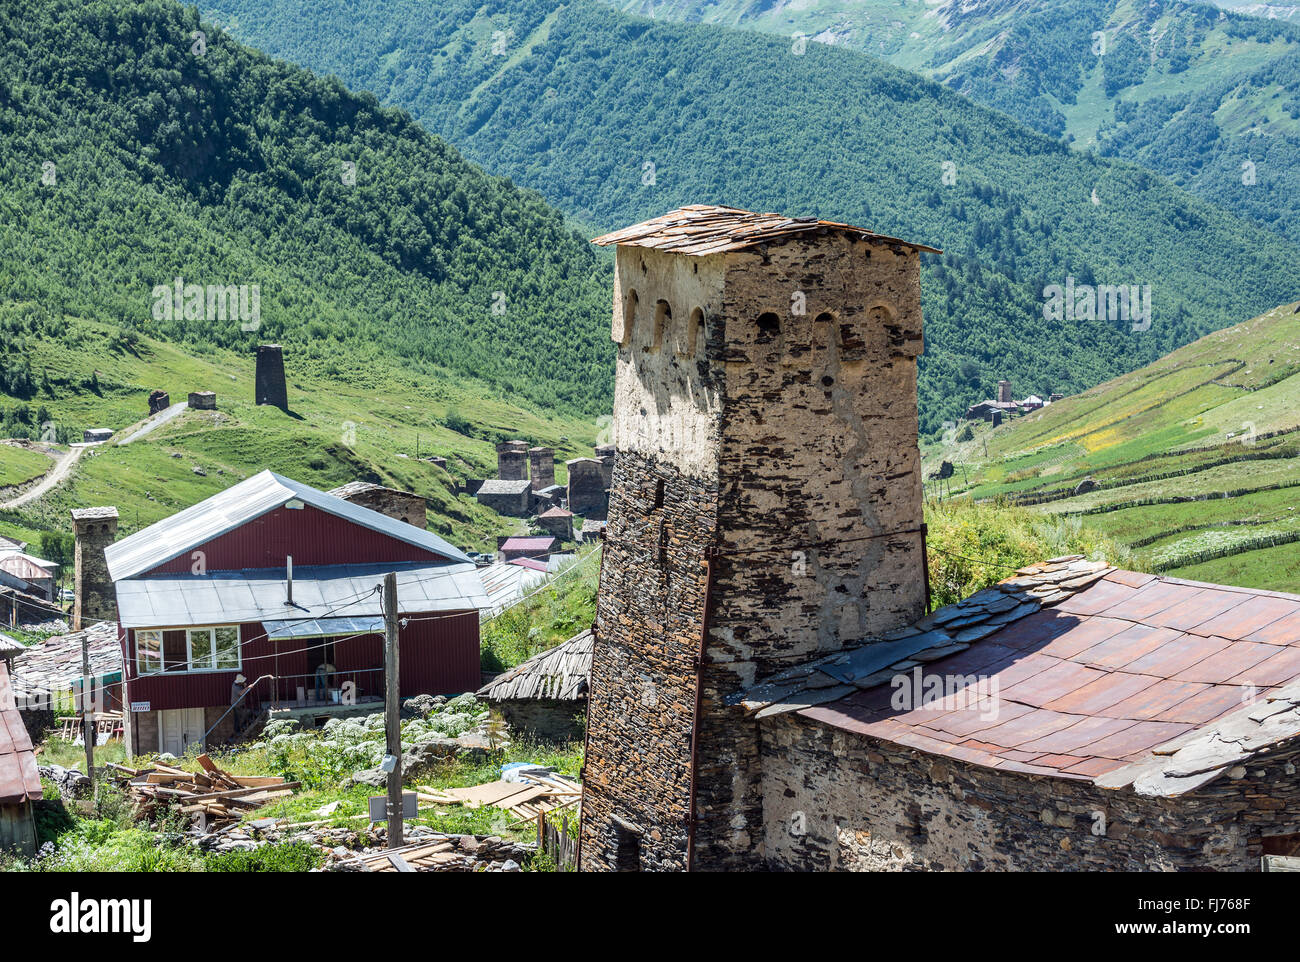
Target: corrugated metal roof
(19, 779)
(240, 504)
(506, 583)
(542, 543)
(324, 627)
(20, 567)
(319, 591)
(700, 229)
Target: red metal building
(278, 583)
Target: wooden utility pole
(392, 716)
(87, 716)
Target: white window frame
(212, 630)
(139, 659)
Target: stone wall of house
(834, 800)
(545, 717)
(399, 505)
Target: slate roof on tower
(1099, 674)
(236, 506)
(700, 229)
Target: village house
(272, 579)
(20, 783)
(546, 695)
(767, 690)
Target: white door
(179, 728)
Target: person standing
(323, 672)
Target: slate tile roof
(700, 229)
(1073, 669)
(560, 673)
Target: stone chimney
(270, 386)
(512, 460)
(605, 455)
(1004, 391)
(94, 598)
(541, 467)
(766, 509)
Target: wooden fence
(558, 841)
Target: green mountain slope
(1189, 91)
(1193, 461)
(615, 118)
(134, 152)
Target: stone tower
(94, 599)
(270, 386)
(541, 467)
(512, 460)
(765, 507)
(1004, 391)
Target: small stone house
(547, 694)
(767, 688)
(512, 497)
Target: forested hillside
(1190, 91)
(616, 118)
(138, 146)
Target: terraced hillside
(1193, 461)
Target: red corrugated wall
(312, 536)
(439, 656)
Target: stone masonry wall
(781, 382)
(820, 503)
(94, 597)
(835, 800)
(642, 692)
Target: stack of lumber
(411, 858)
(526, 799)
(209, 796)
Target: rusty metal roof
(19, 780)
(1080, 671)
(700, 229)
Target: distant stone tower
(94, 598)
(541, 467)
(270, 387)
(1004, 391)
(765, 507)
(512, 460)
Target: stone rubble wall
(836, 801)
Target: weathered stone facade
(835, 800)
(541, 467)
(94, 598)
(159, 401)
(508, 497)
(765, 419)
(512, 460)
(399, 505)
(270, 386)
(547, 718)
(203, 401)
(588, 487)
